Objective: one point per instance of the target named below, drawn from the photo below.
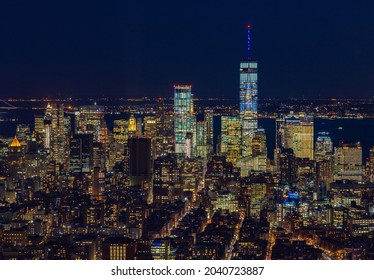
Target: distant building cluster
(164, 185)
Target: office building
(140, 170)
(183, 116)
(248, 98)
(231, 136)
(81, 153)
(348, 162)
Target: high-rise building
(165, 131)
(325, 172)
(288, 167)
(218, 172)
(183, 116)
(140, 171)
(188, 147)
(55, 137)
(231, 134)
(324, 157)
(324, 147)
(89, 120)
(297, 133)
(59, 145)
(248, 98)
(47, 127)
(166, 179)
(118, 248)
(208, 118)
(348, 162)
(39, 127)
(257, 162)
(150, 132)
(120, 131)
(161, 249)
(258, 187)
(202, 139)
(23, 133)
(192, 174)
(103, 136)
(81, 153)
(99, 156)
(133, 127)
(370, 166)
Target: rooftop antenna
(249, 42)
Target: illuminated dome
(15, 142)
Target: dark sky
(141, 48)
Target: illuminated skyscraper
(324, 147)
(165, 131)
(248, 98)
(59, 140)
(183, 116)
(103, 136)
(231, 128)
(118, 248)
(120, 132)
(325, 172)
(370, 166)
(47, 127)
(348, 162)
(133, 127)
(208, 118)
(258, 191)
(166, 179)
(161, 249)
(81, 153)
(39, 126)
(89, 120)
(297, 134)
(201, 139)
(150, 131)
(257, 161)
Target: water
(347, 130)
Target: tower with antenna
(248, 41)
(248, 96)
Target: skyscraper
(166, 179)
(370, 166)
(150, 131)
(324, 147)
(201, 139)
(183, 116)
(89, 120)
(47, 127)
(81, 153)
(208, 118)
(248, 98)
(348, 162)
(231, 128)
(297, 133)
(120, 132)
(139, 161)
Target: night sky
(141, 48)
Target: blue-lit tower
(248, 98)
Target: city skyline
(188, 177)
(65, 50)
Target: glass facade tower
(248, 102)
(183, 116)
